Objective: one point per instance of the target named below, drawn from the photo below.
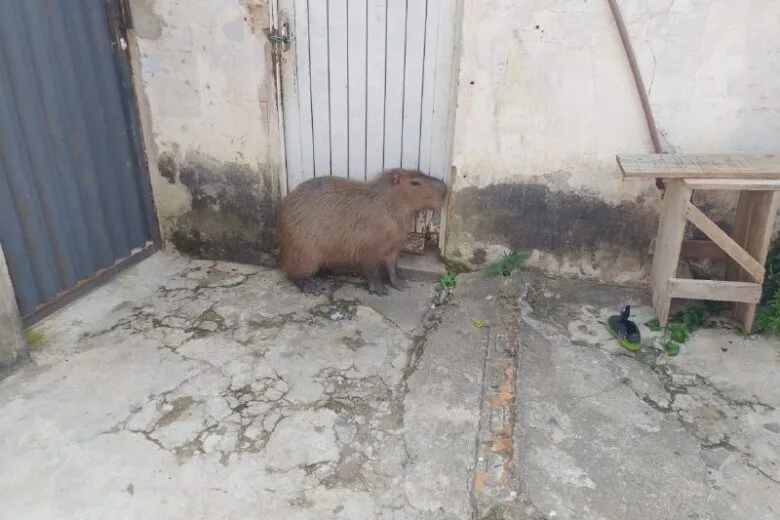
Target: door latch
(279, 34)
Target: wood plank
(714, 290)
(701, 249)
(690, 166)
(339, 87)
(395, 52)
(444, 97)
(733, 184)
(375, 87)
(753, 226)
(668, 243)
(413, 83)
(303, 82)
(725, 242)
(320, 86)
(430, 68)
(357, 49)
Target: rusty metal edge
(86, 286)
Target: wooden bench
(757, 178)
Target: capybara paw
(377, 287)
(309, 285)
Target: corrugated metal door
(367, 85)
(75, 198)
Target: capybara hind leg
(391, 264)
(301, 270)
(308, 285)
(375, 283)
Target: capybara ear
(396, 178)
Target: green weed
(768, 316)
(767, 321)
(654, 325)
(35, 339)
(506, 265)
(447, 281)
(740, 329)
(684, 322)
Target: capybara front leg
(308, 285)
(375, 283)
(391, 264)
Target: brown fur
(331, 221)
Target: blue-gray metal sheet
(74, 193)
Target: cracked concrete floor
(202, 390)
(607, 434)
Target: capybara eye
(415, 183)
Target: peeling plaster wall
(203, 78)
(546, 100)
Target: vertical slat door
(357, 54)
(376, 67)
(74, 196)
(367, 86)
(338, 85)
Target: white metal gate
(367, 85)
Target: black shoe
(625, 330)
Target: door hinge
(279, 34)
(120, 22)
(125, 16)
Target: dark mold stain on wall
(533, 216)
(167, 166)
(232, 214)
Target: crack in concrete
(209, 322)
(430, 322)
(178, 406)
(494, 486)
(676, 383)
(712, 415)
(378, 404)
(666, 376)
(762, 472)
(142, 314)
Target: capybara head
(416, 189)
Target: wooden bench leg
(668, 243)
(753, 227)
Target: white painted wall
(561, 98)
(205, 86)
(546, 94)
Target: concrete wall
(546, 100)
(203, 77)
(13, 346)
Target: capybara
(332, 222)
